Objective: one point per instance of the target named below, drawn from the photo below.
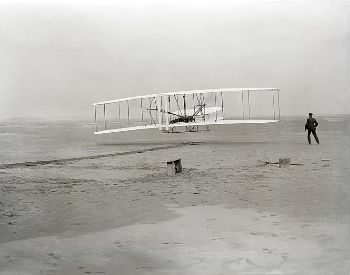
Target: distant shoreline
(90, 119)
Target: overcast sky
(57, 58)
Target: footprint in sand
(7, 258)
(118, 244)
(54, 256)
(269, 251)
(143, 267)
(243, 263)
(256, 233)
(284, 257)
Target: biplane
(192, 110)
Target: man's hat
(310, 114)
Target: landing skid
(189, 129)
(197, 128)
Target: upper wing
(125, 99)
(218, 91)
(191, 92)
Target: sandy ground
(227, 213)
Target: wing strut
(119, 110)
(104, 115)
(161, 104)
(95, 117)
(184, 105)
(279, 110)
(194, 104)
(141, 112)
(248, 105)
(222, 104)
(273, 104)
(203, 107)
(216, 112)
(128, 113)
(166, 114)
(159, 112)
(242, 105)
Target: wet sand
(227, 213)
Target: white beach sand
(227, 213)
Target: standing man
(310, 126)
